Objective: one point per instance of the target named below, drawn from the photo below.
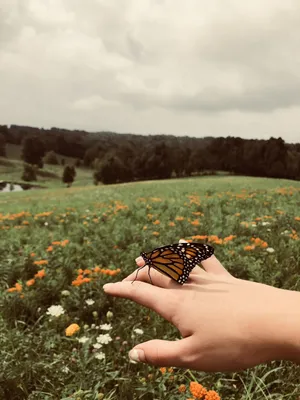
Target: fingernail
(137, 355)
(107, 286)
(139, 259)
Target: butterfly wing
(177, 260)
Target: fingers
(150, 296)
(163, 353)
(158, 279)
(213, 266)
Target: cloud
(195, 67)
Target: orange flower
(155, 233)
(72, 329)
(30, 282)
(171, 224)
(32, 255)
(197, 390)
(195, 222)
(297, 218)
(40, 274)
(163, 370)
(41, 262)
(212, 395)
(249, 248)
(179, 218)
(18, 287)
(182, 388)
(157, 222)
(49, 249)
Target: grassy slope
(126, 230)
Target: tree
(69, 175)
(51, 158)
(33, 151)
(29, 173)
(2, 146)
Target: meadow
(61, 337)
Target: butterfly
(176, 260)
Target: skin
(226, 324)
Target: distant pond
(16, 187)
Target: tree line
(117, 157)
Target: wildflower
(163, 370)
(55, 311)
(65, 293)
(32, 254)
(109, 315)
(171, 223)
(104, 339)
(182, 388)
(197, 390)
(155, 233)
(72, 329)
(97, 345)
(40, 274)
(248, 248)
(83, 339)
(212, 395)
(30, 282)
(100, 356)
(40, 262)
(270, 250)
(89, 302)
(138, 331)
(106, 327)
(157, 222)
(95, 314)
(179, 218)
(49, 249)
(265, 223)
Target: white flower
(104, 339)
(55, 311)
(254, 225)
(270, 250)
(89, 302)
(65, 293)
(106, 327)
(46, 223)
(265, 223)
(65, 369)
(100, 356)
(97, 346)
(83, 339)
(93, 326)
(138, 331)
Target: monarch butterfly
(176, 260)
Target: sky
(194, 67)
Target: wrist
(283, 327)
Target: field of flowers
(61, 337)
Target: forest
(115, 157)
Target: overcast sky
(192, 67)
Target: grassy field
(61, 245)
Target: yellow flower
(72, 329)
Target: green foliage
(33, 151)
(91, 230)
(29, 173)
(2, 145)
(69, 174)
(51, 158)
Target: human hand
(227, 324)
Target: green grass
(108, 226)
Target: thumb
(163, 353)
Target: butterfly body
(177, 260)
